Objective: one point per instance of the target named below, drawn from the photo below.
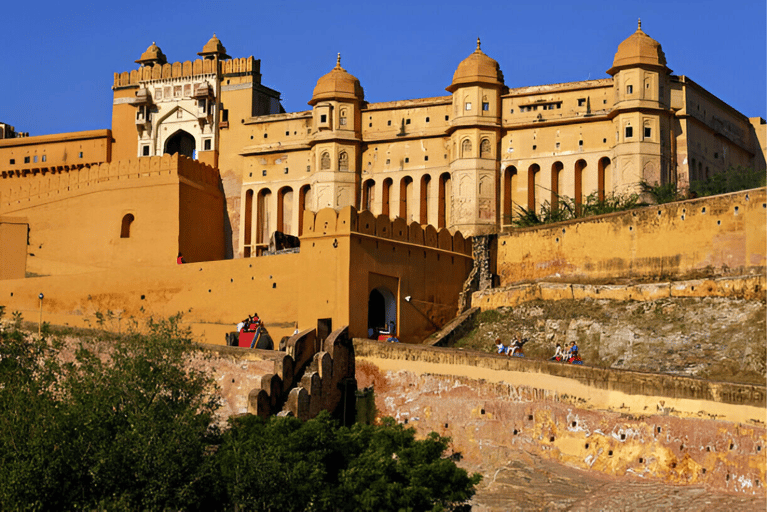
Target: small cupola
(337, 85)
(153, 55)
(639, 49)
(478, 68)
(213, 48)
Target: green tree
(331, 468)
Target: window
(343, 161)
(628, 132)
(557, 145)
(177, 91)
(647, 132)
(125, 226)
(582, 102)
(323, 118)
(486, 106)
(407, 121)
(179, 114)
(26, 159)
(45, 158)
(342, 121)
(158, 94)
(426, 158)
(466, 147)
(13, 161)
(485, 148)
(285, 171)
(225, 115)
(325, 161)
(145, 150)
(446, 118)
(468, 105)
(534, 147)
(207, 145)
(34, 158)
(581, 143)
(427, 120)
(407, 159)
(264, 172)
(629, 89)
(387, 161)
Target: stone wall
(675, 429)
(712, 236)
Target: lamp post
(40, 322)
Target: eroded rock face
(714, 338)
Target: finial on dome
(338, 60)
(478, 44)
(639, 24)
(153, 42)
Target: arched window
(466, 148)
(343, 117)
(325, 161)
(125, 227)
(343, 161)
(485, 148)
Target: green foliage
(127, 431)
(17, 319)
(660, 194)
(327, 467)
(732, 180)
(133, 428)
(567, 209)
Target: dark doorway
(181, 142)
(382, 313)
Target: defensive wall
(186, 69)
(344, 256)
(128, 213)
(25, 155)
(300, 379)
(677, 429)
(715, 236)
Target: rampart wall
(713, 236)
(676, 429)
(186, 69)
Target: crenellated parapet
(329, 222)
(31, 187)
(197, 67)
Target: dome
(477, 68)
(638, 49)
(338, 84)
(214, 47)
(153, 55)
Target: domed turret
(214, 48)
(637, 50)
(153, 55)
(477, 68)
(338, 84)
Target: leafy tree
(327, 467)
(567, 209)
(732, 180)
(125, 431)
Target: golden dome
(477, 68)
(214, 47)
(638, 49)
(338, 84)
(153, 55)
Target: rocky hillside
(712, 338)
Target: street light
(40, 322)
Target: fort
(402, 212)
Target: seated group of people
(515, 347)
(570, 355)
(250, 324)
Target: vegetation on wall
(732, 180)
(132, 426)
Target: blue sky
(59, 57)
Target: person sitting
(500, 349)
(558, 354)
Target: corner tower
(336, 139)
(475, 132)
(641, 115)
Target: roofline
(56, 137)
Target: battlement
(27, 187)
(329, 222)
(244, 65)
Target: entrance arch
(180, 142)
(382, 312)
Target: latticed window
(343, 161)
(485, 148)
(466, 147)
(325, 161)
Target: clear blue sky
(59, 57)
